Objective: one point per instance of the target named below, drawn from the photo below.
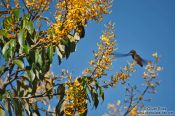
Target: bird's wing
(145, 62)
(118, 55)
(142, 61)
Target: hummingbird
(137, 58)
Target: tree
(32, 32)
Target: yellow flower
(126, 68)
(92, 62)
(105, 40)
(153, 75)
(118, 103)
(141, 97)
(111, 106)
(69, 110)
(122, 76)
(104, 67)
(145, 74)
(159, 69)
(86, 71)
(133, 112)
(75, 98)
(155, 55)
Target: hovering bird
(140, 61)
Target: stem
(26, 6)
(34, 96)
(129, 108)
(130, 103)
(3, 2)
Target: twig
(140, 100)
(44, 110)
(3, 2)
(130, 103)
(129, 108)
(4, 12)
(26, 6)
(10, 81)
(34, 96)
(35, 16)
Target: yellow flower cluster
(16, 3)
(125, 72)
(152, 69)
(75, 100)
(133, 112)
(103, 57)
(70, 14)
(121, 76)
(37, 4)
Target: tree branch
(34, 96)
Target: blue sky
(144, 25)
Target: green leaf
(26, 49)
(9, 49)
(50, 52)
(34, 85)
(38, 58)
(72, 47)
(31, 58)
(65, 41)
(7, 22)
(26, 106)
(2, 112)
(45, 60)
(30, 27)
(94, 95)
(31, 75)
(26, 16)
(5, 48)
(24, 23)
(60, 56)
(95, 99)
(68, 49)
(101, 93)
(21, 38)
(37, 74)
(16, 12)
(19, 63)
(96, 85)
(3, 33)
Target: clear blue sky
(144, 25)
